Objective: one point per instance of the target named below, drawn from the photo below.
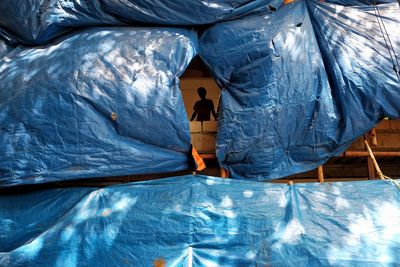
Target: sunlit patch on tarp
(278, 116)
(204, 221)
(297, 90)
(38, 21)
(99, 102)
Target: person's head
(202, 92)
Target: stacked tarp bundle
(204, 221)
(300, 81)
(39, 21)
(100, 102)
(300, 91)
(359, 2)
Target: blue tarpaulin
(300, 82)
(203, 221)
(359, 2)
(38, 21)
(296, 92)
(100, 102)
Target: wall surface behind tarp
(210, 221)
(285, 106)
(57, 104)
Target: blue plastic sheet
(99, 102)
(38, 21)
(7, 43)
(204, 221)
(277, 113)
(284, 109)
(359, 2)
(359, 65)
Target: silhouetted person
(204, 107)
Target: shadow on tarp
(299, 85)
(220, 222)
(38, 22)
(99, 102)
(89, 182)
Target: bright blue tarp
(57, 104)
(359, 2)
(38, 21)
(291, 99)
(209, 221)
(300, 82)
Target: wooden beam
(371, 169)
(321, 174)
(208, 156)
(374, 139)
(356, 154)
(224, 173)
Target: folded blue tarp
(204, 221)
(7, 43)
(99, 102)
(277, 113)
(284, 109)
(358, 2)
(296, 89)
(358, 61)
(38, 21)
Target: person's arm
(213, 111)
(195, 108)
(193, 115)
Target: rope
(395, 182)
(388, 42)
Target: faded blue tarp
(4, 48)
(7, 43)
(358, 63)
(204, 221)
(100, 102)
(283, 109)
(38, 21)
(358, 2)
(277, 115)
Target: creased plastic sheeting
(277, 113)
(204, 221)
(101, 102)
(38, 21)
(7, 44)
(4, 48)
(359, 2)
(187, 12)
(358, 62)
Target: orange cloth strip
(199, 161)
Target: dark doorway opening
(203, 133)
